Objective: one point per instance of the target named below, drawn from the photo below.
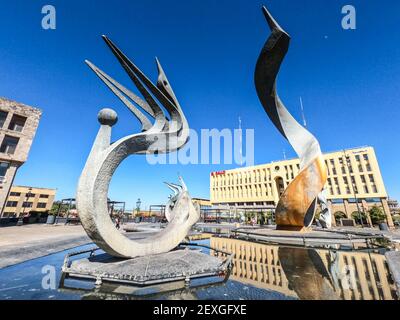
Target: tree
(377, 215)
(339, 215)
(356, 216)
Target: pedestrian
(117, 223)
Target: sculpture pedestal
(174, 266)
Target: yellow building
(21, 200)
(203, 203)
(354, 183)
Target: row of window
(259, 190)
(243, 191)
(31, 195)
(345, 165)
(264, 175)
(26, 204)
(17, 122)
(256, 176)
(352, 186)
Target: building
(354, 184)
(394, 206)
(22, 200)
(204, 204)
(18, 124)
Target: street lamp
(29, 194)
(138, 203)
(354, 187)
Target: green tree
(356, 216)
(377, 215)
(339, 215)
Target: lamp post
(138, 203)
(28, 195)
(354, 188)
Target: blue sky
(349, 80)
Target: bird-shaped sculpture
(162, 135)
(297, 205)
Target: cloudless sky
(349, 80)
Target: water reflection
(310, 274)
(260, 272)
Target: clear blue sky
(349, 80)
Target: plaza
(89, 209)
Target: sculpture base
(294, 228)
(182, 264)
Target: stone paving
(19, 244)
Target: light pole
(24, 205)
(354, 188)
(138, 203)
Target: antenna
(302, 113)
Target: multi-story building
(354, 183)
(23, 200)
(18, 124)
(204, 204)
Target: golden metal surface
(299, 197)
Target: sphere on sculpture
(107, 117)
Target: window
(12, 204)
(9, 145)
(15, 194)
(17, 123)
(3, 169)
(3, 117)
(27, 204)
(8, 214)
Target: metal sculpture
(297, 205)
(163, 136)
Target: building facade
(354, 184)
(18, 124)
(204, 204)
(21, 200)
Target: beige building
(354, 183)
(203, 203)
(22, 200)
(18, 124)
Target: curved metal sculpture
(164, 135)
(297, 205)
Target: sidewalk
(19, 244)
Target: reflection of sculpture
(296, 207)
(161, 137)
(307, 274)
